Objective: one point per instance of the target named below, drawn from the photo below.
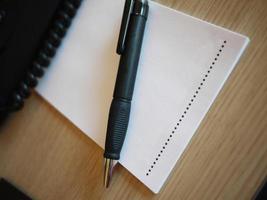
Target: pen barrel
(117, 127)
(119, 113)
(130, 58)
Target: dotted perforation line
(191, 101)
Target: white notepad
(184, 64)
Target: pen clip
(128, 7)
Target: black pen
(129, 47)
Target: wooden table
(50, 159)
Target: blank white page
(184, 64)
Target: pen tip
(108, 171)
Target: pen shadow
(102, 91)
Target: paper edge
(195, 18)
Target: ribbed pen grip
(117, 127)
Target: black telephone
(30, 33)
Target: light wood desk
(50, 159)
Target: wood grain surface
(43, 154)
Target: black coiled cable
(47, 51)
